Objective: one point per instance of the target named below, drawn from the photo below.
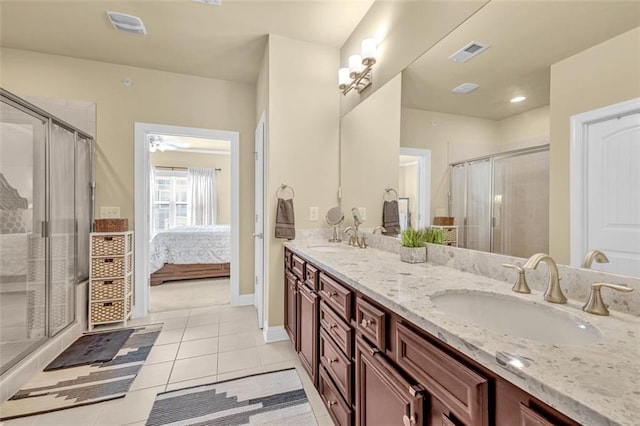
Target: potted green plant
(413, 249)
(435, 235)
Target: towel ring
(389, 190)
(282, 188)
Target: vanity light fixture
(358, 75)
(518, 99)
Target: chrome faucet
(379, 228)
(553, 293)
(592, 255)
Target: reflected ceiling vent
(127, 23)
(465, 88)
(469, 51)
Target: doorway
(414, 189)
(259, 218)
(605, 171)
(143, 208)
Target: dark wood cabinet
(383, 396)
(291, 307)
(308, 304)
(373, 367)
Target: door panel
(613, 199)
(259, 221)
(308, 330)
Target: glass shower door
(478, 225)
(22, 243)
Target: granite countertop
(594, 384)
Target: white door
(613, 193)
(259, 220)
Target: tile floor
(184, 294)
(196, 346)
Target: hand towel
(391, 217)
(285, 220)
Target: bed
(190, 253)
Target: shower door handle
(258, 235)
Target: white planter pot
(413, 254)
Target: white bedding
(190, 244)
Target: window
(170, 199)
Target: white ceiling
(526, 38)
(224, 42)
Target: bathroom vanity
(380, 352)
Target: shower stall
(46, 210)
(501, 202)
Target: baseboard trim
(243, 300)
(274, 334)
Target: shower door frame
(49, 120)
(492, 158)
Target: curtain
(203, 196)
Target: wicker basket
(107, 311)
(107, 245)
(443, 221)
(107, 267)
(112, 225)
(107, 289)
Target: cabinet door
(308, 331)
(291, 308)
(383, 396)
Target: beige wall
(452, 138)
(370, 148)
(223, 177)
(602, 75)
(154, 97)
(303, 144)
(404, 30)
(524, 130)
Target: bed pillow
(12, 222)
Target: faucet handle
(595, 305)
(521, 285)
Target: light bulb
(355, 65)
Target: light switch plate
(363, 213)
(109, 212)
(313, 214)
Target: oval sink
(330, 248)
(517, 317)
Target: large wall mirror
(501, 168)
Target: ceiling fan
(164, 143)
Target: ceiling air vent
(209, 2)
(469, 51)
(465, 88)
(127, 23)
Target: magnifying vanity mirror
(566, 59)
(335, 217)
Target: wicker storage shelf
(112, 225)
(111, 277)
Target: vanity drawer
(336, 295)
(529, 417)
(461, 389)
(371, 323)
(337, 365)
(311, 276)
(341, 413)
(297, 266)
(339, 330)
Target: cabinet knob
(329, 294)
(330, 403)
(408, 421)
(366, 322)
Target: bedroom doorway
(187, 252)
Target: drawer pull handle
(108, 261)
(331, 403)
(329, 294)
(108, 282)
(332, 327)
(408, 421)
(330, 360)
(108, 238)
(366, 323)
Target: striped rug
(85, 384)
(275, 398)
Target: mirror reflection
(496, 122)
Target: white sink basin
(330, 248)
(516, 317)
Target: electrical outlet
(109, 212)
(313, 214)
(363, 213)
